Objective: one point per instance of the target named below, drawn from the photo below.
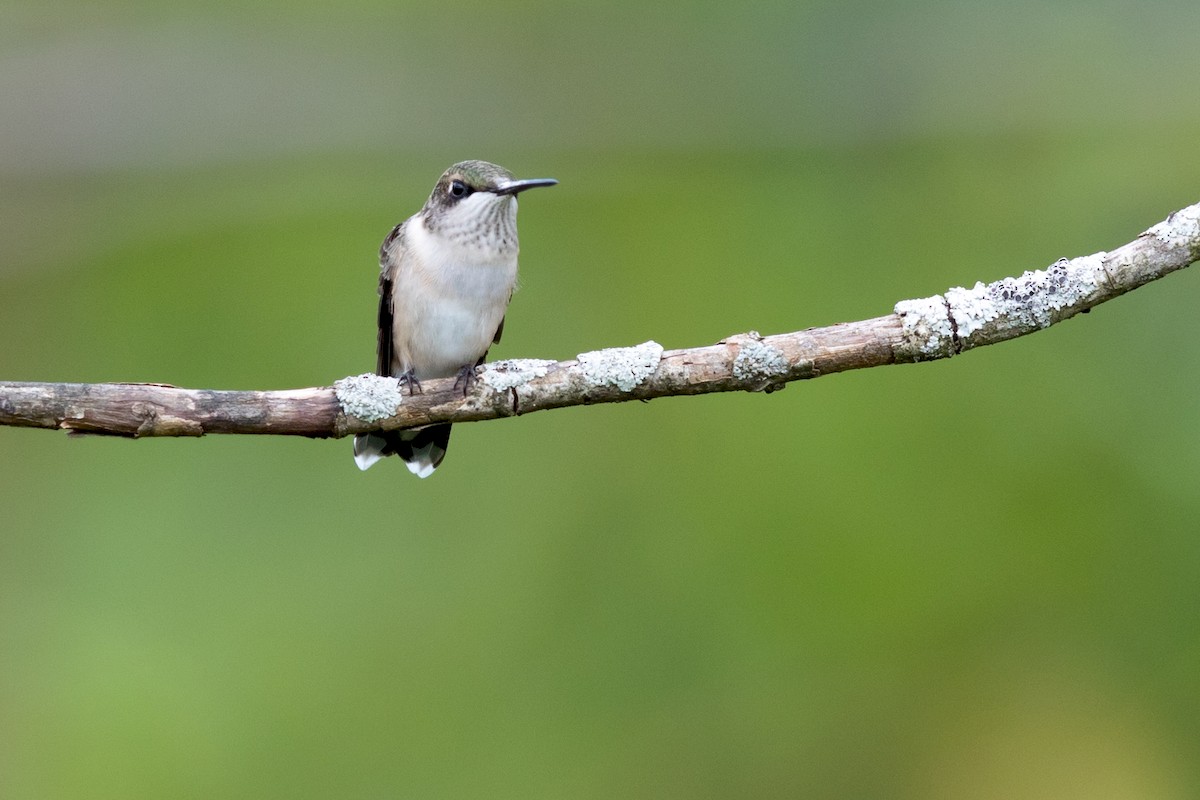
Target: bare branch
(919, 330)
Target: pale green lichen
(368, 397)
(513, 372)
(1181, 229)
(1028, 302)
(622, 367)
(943, 325)
(758, 361)
(927, 330)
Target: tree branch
(918, 330)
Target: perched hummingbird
(446, 276)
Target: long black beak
(513, 187)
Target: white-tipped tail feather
(422, 450)
(422, 469)
(368, 448)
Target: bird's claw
(409, 379)
(466, 378)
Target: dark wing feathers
(383, 365)
(500, 330)
(384, 349)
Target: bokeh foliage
(973, 578)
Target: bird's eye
(458, 189)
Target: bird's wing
(388, 263)
(499, 331)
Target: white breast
(449, 297)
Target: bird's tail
(422, 450)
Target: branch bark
(918, 330)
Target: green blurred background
(972, 578)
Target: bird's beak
(513, 187)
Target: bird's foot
(466, 378)
(409, 379)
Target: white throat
(483, 226)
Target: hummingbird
(446, 276)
